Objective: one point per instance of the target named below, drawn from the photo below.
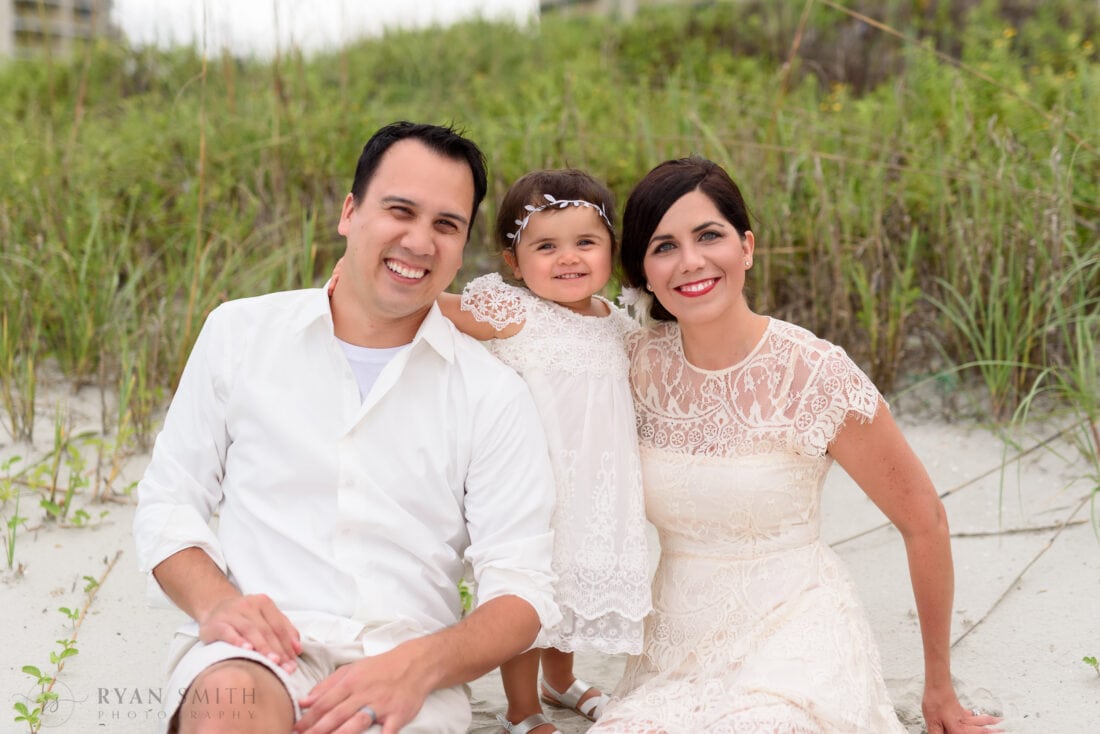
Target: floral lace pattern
(576, 367)
(553, 337)
(756, 626)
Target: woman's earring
(748, 262)
(649, 287)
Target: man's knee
(235, 695)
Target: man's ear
(513, 263)
(345, 215)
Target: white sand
(1027, 602)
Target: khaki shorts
(446, 711)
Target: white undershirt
(367, 363)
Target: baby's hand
(335, 276)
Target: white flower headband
(553, 203)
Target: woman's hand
(943, 714)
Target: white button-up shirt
(350, 514)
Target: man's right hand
(195, 583)
(254, 623)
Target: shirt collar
(314, 307)
(436, 330)
(438, 333)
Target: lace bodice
(554, 338)
(790, 394)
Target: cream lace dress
(756, 625)
(576, 367)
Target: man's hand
(394, 685)
(198, 587)
(254, 623)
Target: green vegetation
(46, 700)
(925, 181)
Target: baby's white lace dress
(576, 368)
(756, 626)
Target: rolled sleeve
(509, 502)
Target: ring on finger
(369, 712)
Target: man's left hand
(390, 684)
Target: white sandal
(531, 722)
(590, 709)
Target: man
(358, 451)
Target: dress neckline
(736, 365)
(571, 312)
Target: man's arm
(180, 491)
(507, 506)
(197, 586)
(396, 683)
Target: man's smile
(405, 271)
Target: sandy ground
(1027, 564)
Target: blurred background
(923, 174)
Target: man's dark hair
(446, 141)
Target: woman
(756, 625)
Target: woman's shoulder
(659, 341)
(800, 337)
(803, 347)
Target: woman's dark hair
(656, 193)
(565, 183)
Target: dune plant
(154, 184)
(19, 350)
(32, 716)
(1071, 377)
(12, 525)
(1092, 662)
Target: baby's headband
(552, 203)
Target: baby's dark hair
(562, 184)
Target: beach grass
(923, 179)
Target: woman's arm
(877, 456)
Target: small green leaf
(31, 670)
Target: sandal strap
(593, 707)
(570, 698)
(525, 726)
(572, 694)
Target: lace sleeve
(489, 298)
(837, 388)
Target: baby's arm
(451, 306)
(491, 310)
